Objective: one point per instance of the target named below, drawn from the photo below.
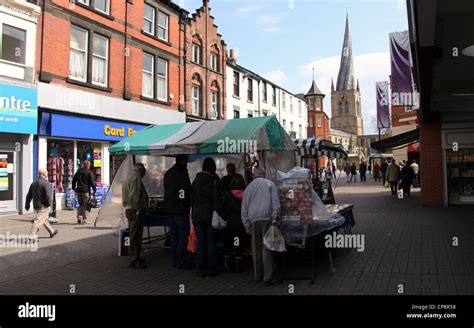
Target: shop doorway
(8, 182)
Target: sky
(283, 40)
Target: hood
(239, 194)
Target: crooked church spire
(345, 78)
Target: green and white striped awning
(208, 137)
(319, 147)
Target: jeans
(82, 209)
(348, 176)
(354, 176)
(206, 252)
(363, 177)
(179, 230)
(384, 177)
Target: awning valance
(397, 141)
(319, 147)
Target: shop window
(60, 164)
(91, 152)
(460, 175)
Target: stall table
(321, 228)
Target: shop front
(458, 147)
(66, 141)
(18, 124)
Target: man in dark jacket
(40, 193)
(82, 183)
(407, 174)
(177, 204)
(363, 172)
(206, 198)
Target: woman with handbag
(205, 200)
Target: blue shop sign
(18, 109)
(87, 128)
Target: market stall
(312, 150)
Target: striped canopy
(237, 136)
(319, 147)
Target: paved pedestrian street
(408, 249)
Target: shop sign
(18, 109)
(91, 129)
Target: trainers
(54, 233)
(79, 221)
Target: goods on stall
(295, 189)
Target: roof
(400, 140)
(314, 90)
(208, 137)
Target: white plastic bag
(273, 239)
(218, 223)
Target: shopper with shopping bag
(260, 208)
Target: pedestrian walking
(177, 205)
(135, 201)
(83, 183)
(363, 171)
(376, 172)
(416, 170)
(39, 192)
(353, 172)
(206, 198)
(260, 209)
(393, 173)
(347, 169)
(407, 175)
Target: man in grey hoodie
(260, 209)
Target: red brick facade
(127, 42)
(431, 164)
(314, 117)
(201, 32)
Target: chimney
(231, 56)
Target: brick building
(444, 76)
(106, 69)
(205, 62)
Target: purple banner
(383, 116)
(401, 81)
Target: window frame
(265, 94)
(274, 96)
(250, 89)
(213, 60)
(94, 35)
(236, 84)
(152, 74)
(167, 28)
(86, 57)
(320, 122)
(196, 52)
(166, 77)
(23, 50)
(195, 100)
(215, 103)
(107, 5)
(153, 23)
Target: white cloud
(369, 69)
(248, 9)
(277, 76)
(269, 23)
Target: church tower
(346, 112)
